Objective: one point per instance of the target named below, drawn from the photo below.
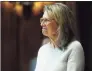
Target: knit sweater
(54, 59)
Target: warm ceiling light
(7, 5)
(18, 8)
(38, 6)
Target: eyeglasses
(45, 20)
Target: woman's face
(49, 25)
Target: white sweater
(54, 59)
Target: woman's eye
(46, 20)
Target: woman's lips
(44, 28)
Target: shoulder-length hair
(66, 22)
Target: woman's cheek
(50, 29)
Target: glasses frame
(42, 20)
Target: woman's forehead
(47, 14)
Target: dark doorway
(84, 15)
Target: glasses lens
(45, 20)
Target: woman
(64, 51)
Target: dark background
(84, 10)
(21, 36)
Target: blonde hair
(66, 21)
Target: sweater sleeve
(39, 60)
(76, 59)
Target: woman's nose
(42, 24)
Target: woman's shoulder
(75, 45)
(44, 47)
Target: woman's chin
(44, 33)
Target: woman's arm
(76, 59)
(39, 63)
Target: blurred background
(21, 35)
